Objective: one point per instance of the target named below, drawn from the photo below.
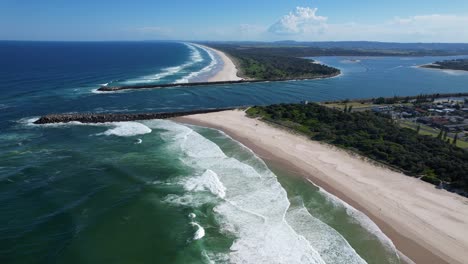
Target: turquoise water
(162, 192)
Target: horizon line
(234, 41)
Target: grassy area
(429, 131)
(355, 105)
(358, 105)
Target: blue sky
(318, 20)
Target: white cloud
(304, 24)
(303, 20)
(431, 27)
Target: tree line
(377, 137)
(269, 65)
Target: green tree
(378, 137)
(440, 134)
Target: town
(442, 117)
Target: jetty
(116, 117)
(105, 88)
(121, 117)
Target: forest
(272, 66)
(377, 137)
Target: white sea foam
(363, 220)
(208, 181)
(254, 204)
(28, 121)
(200, 233)
(209, 67)
(123, 129)
(126, 129)
(195, 57)
(331, 245)
(188, 200)
(156, 77)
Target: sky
(235, 20)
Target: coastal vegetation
(275, 65)
(377, 137)
(301, 49)
(459, 64)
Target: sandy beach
(426, 224)
(229, 70)
(448, 71)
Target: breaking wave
(208, 68)
(122, 129)
(126, 129)
(207, 181)
(184, 72)
(200, 233)
(363, 220)
(250, 204)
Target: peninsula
(458, 65)
(244, 67)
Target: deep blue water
(88, 194)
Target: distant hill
(372, 46)
(378, 45)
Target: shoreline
(229, 71)
(426, 224)
(242, 81)
(433, 66)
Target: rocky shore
(103, 118)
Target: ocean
(162, 192)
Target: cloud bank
(303, 20)
(305, 24)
